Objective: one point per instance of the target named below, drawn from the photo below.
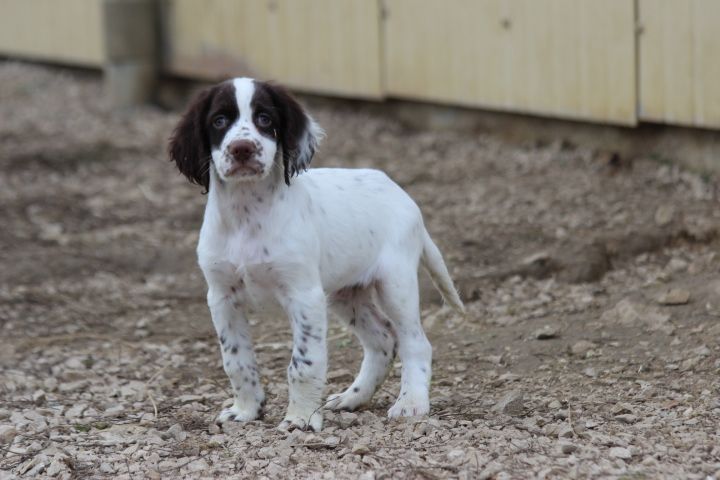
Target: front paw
(239, 414)
(350, 400)
(312, 422)
(410, 405)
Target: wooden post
(131, 47)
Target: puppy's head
(241, 128)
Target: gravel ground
(591, 348)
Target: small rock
(676, 265)
(177, 360)
(581, 347)
(508, 377)
(36, 447)
(424, 428)
(148, 418)
(176, 431)
(494, 359)
(76, 411)
(368, 475)
(690, 363)
(360, 449)
(621, 408)
(199, 465)
(565, 431)
(266, 453)
(59, 464)
(189, 398)
(310, 438)
(50, 384)
(590, 372)
(74, 363)
(591, 424)
(675, 296)
(568, 448)
(664, 215)
(275, 470)
(511, 404)
(626, 418)
(113, 411)
(332, 441)
(36, 466)
(106, 468)
(456, 456)
(39, 397)
(620, 452)
(133, 390)
(7, 434)
(547, 332)
(702, 351)
(347, 419)
(555, 404)
(627, 312)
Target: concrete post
(132, 53)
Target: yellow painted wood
(569, 58)
(679, 68)
(66, 31)
(325, 46)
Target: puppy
(341, 238)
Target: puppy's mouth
(247, 169)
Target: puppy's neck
(238, 203)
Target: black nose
(242, 150)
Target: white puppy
(349, 239)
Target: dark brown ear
(189, 144)
(298, 134)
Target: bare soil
(591, 348)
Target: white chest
(241, 263)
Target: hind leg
(399, 298)
(373, 329)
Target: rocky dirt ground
(591, 348)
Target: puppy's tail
(433, 262)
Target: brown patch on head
(224, 105)
(263, 102)
(289, 127)
(199, 130)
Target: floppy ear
(298, 134)
(189, 144)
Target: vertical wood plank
(680, 62)
(570, 58)
(68, 31)
(706, 63)
(326, 46)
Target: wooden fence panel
(570, 58)
(325, 46)
(64, 31)
(680, 61)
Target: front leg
(231, 325)
(307, 371)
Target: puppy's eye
(263, 120)
(220, 122)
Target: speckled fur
(341, 238)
